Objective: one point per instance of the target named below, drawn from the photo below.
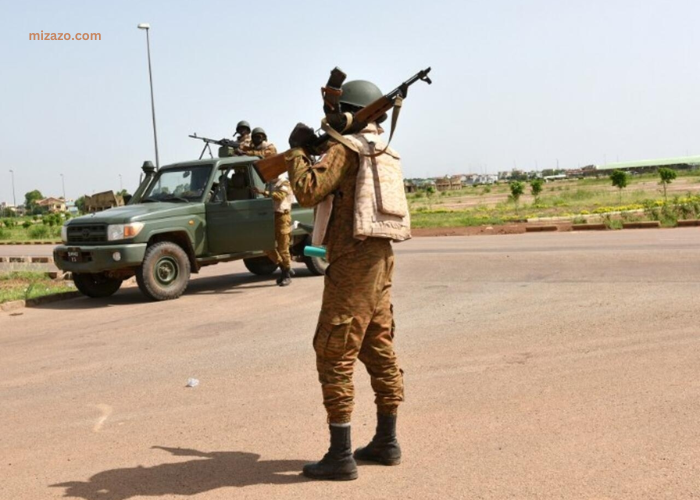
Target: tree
(619, 180)
(429, 193)
(536, 188)
(32, 197)
(80, 204)
(667, 175)
(517, 189)
(124, 192)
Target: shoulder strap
(398, 102)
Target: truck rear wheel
(316, 265)
(164, 272)
(262, 266)
(96, 285)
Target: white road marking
(106, 412)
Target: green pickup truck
(181, 218)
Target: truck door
(239, 220)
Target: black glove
(301, 136)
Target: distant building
(53, 205)
(409, 186)
(7, 207)
(550, 178)
(443, 184)
(102, 201)
(641, 166)
(71, 208)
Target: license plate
(74, 255)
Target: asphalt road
(537, 366)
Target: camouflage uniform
(356, 319)
(227, 151)
(263, 151)
(244, 140)
(281, 195)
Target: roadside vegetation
(32, 228)
(24, 285)
(635, 198)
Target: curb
(46, 299)
(540, 229)
(30, 242)
(589, 227)
(26, 260)
(688, 223)
(641, 225)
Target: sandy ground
(537, 366)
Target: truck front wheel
(165, 271)
(96, 285)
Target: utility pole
(147, 27)
(14, 198)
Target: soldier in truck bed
(259, 145)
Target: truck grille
(87, 234)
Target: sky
(516, 84)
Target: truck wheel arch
(181, 239)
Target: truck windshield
(183, 184)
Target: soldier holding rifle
(359, 178)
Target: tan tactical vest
(381, 209)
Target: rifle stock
(271, 167)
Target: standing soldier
(281, 193)
(259, 146)
(356, 319)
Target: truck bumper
(96, 259)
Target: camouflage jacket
(265, 149)
(335, 173)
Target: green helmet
(360, 93)
(242, 123)
(259, 130)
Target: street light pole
(147, 27)
(63, 183)
(14, 198)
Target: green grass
(37, 232)
(24, 285)
(686, 207)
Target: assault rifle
(271, 167)
(221, 142)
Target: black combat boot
(337, 464)
(285, 279)
(384, 448)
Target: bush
(4, 234)
(26, 224)
(39, 232)
(612, 223)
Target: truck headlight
(123, 231)
(64, 233)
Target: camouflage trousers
(357, 321)
(283, 229)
